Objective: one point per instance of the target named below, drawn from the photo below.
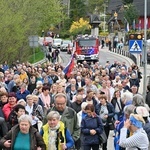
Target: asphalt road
(104, 56)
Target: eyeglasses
(60, 104)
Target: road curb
(130, 61)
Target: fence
(125, 53)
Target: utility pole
(68, 9)
(145, 49)
(104, 17)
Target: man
(22, 93)
(68, 115)
(89, 85)
(70, 95)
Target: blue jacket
(23, 95)
(89, 123)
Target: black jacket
(110, 109)
(114, 101)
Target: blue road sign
(135, 46)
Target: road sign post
(135, 43)
(33, 43)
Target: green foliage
(22, 18)
(95, 4)
(127, 1)
(77, 9)
(131, 14)
(38, 55)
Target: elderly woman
(139, 139)
(55, 135)
(119, 124)
(138, 100)
(34, 110)
(23, 136)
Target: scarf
(46, 100)
(52, 137)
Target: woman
(91, 127)
(23, 136)
(118, 105)
(139, 139)
(3, 99)
(10, 105)
(106, 112)
(17, 111)
(119, 124)
(44, 99)
(33, 111)
(55, 135)
(53, 91)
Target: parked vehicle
(57, 42)
(47, 40)
(64, 45)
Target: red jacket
(6, 110)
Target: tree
(127, 1)
(131, 13)
(79, 27)
(95, 4)
(77, 9)
(22, 18)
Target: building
(117, 6)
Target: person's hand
(63, 146)
(7, 143)
(105, 116)
(39, 148)
(117, 122)
(92, 132)
(127, 124)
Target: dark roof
(139, 4)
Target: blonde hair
(138, 117)
(29, 96)
(35, 97)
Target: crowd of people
(42, 108)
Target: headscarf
(135, 122)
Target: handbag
(111, 125)
(103, 137)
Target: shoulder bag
(102, 136)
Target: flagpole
(145, 50)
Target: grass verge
(36, 56)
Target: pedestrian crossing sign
(135, 46)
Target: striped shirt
(138, 139)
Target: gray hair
(129, 109)
(127, 96)
(59, 95)
(25, 118)
(138, 100)
(83, 105)
(53, 114)
(22, 100)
